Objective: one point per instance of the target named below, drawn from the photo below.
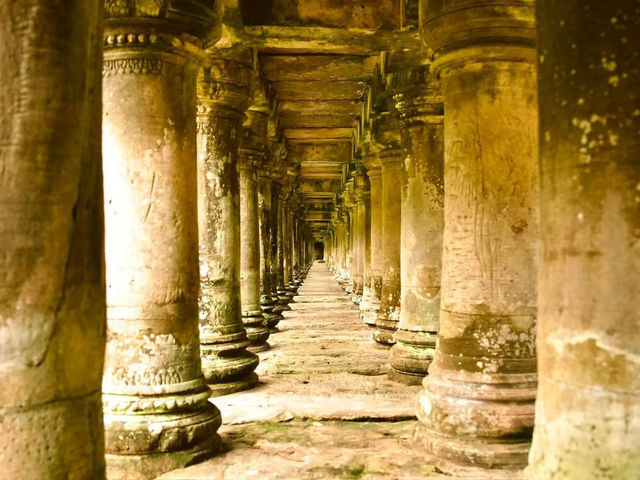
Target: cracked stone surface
(324, 408)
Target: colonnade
(460, 258)
(136, 283)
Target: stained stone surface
(321, 411)
(52, 306)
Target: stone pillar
(52, 308)
(588, 409)
(156, 410)
(277, 282)
(373, 278)
(281, 196)
(476, 410)
(388, 138)
(223, 89)
(251, 153)
(343, 221)
(361, 198)
(267, 300)
(287, 247)
(352, 261)
(420, 106)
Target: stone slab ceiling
(318, 56)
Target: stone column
(279, 229)
(352, 261)
(476, 410)
(156, 410)
(588, 410)
(343, 220)
(223, 89)
(388, 138)
(287, 246)
(251, 153)
(52, 307)
(277, 283)
(267, 301)
(373, 278)
(361, 198)
(420, 106)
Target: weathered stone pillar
(352, 261)
(267, 300)
(588, 408)
(282, 276)
(52, 307)
(156, 410)
(343, 221)
(287, 245)
(477, 407)
(361, 200)
(277, 283)
(223, 89)
(296, 250)
(251, 153)
(420, 106)
(388, 138)
(373, 277)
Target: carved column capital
(385, 135)
(463, 31)
(362, 191)
(252, 149)
(160, 24)
(224, 84)
(372, 163)
(417, 96)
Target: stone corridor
(324, 408)
(319, 239)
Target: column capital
(417, 96)
(139, 22)
(252, 151)
(466, 31)
(224, 83)
(372, 163)
(385, 135)
(362, 191)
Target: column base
(257, 331)
(147, 467)
(263, 347)
(411, 356)
(273, 319)
(142, 446)
(370, 315)
(221, 365)
(405, 378)
(480, 460)
(383, 336)
(478, 420)
(233, 386)
(283, 301)
(384, 330)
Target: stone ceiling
(318, 58)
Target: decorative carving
(117, 8)
(194, 17)
(133, 376)
(124, 66)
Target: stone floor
(324, 408)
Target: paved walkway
(324, 408)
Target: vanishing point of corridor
(324, 408)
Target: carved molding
(132, 66)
